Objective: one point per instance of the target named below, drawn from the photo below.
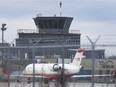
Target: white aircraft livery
(53, 70)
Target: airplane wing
(26, 76)
(74, 76)
(102, 75)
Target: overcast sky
(91, 17)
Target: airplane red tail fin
(78, 57)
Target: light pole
(3, 29)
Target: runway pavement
(51, 84)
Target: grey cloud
(97, 10)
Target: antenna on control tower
(60, 8)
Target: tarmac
(51, 84)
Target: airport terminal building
(54, 38)
(52, 32)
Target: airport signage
(106, 64)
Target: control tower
(53, 25)
(51, 31)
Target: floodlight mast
(3, 29)
(93, 60)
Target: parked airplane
(53, 70)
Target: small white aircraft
(53, 70)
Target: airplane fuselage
(52, 71)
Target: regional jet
(53, 70)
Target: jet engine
(55, 67)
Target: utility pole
(93, 59)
